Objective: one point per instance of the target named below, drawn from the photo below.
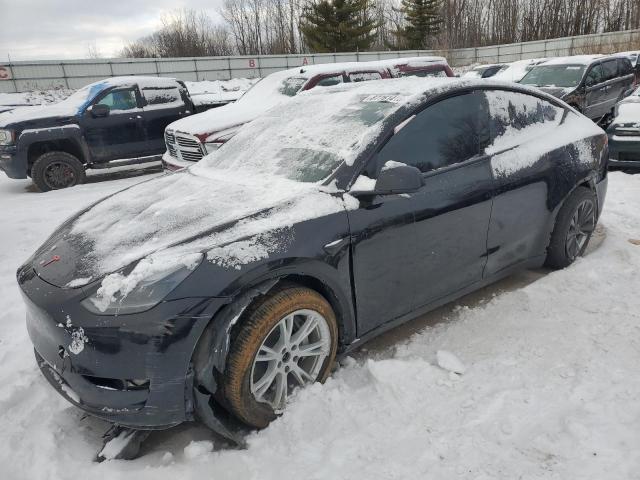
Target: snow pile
(550, 390)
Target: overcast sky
(62, 29)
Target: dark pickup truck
(114, 122)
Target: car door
(163, 104)
(440, 245)
(596, 92)
(119, 133)
(525, 179)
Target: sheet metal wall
(25, 76)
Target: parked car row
(214, 292)
(131, 120)
(189, 140)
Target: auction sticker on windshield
(384, 98)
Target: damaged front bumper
(13, 162)
(132, 370)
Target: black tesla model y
(213, 292)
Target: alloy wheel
(291, 355)
(582, 224)
(59, 175)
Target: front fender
(71, 133)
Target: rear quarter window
(625, 66)
(518, 118)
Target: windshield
(306, 139)
(554, 75)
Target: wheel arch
(66, 139)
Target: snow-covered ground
(549, 385)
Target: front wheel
(574, 226)
(288, 341)
(56, 170)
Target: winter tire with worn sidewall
(289, 339)
(574, 226)
(56, 170)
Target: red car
(189, 139)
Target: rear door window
(446, 133)
(435, 72)
(610, 69)
(517, 118)
(364, 76)
(163, 97)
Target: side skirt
(535, 262)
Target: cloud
(50, 29)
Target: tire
(262, 327)
(576, 221)
(56, 170)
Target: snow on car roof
(573, 60)
(410, 61)
(142, 81)
(516, 70)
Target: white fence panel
(23, 76)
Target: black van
(592, 84)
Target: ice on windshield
(554, 75)
(307, 139)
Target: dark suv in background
(592, 84)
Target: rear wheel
(288, 341)
(56, 170)
(574, 226)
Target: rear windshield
(554, 75)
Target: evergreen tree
(423, 21)
(338, 26)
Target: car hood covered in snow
(169, 219)
(40, 115)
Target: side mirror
(398, 177)
(99, 110)
(394, 178)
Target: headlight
(6, 137)
(147, 293)
(212, 146)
